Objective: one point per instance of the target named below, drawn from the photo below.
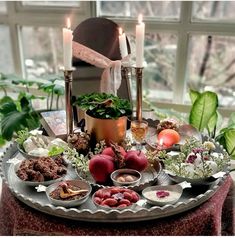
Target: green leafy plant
(226, 136)
(103, 105)
(22, 136)
(16, 115)
(52, 88)
(204, 115)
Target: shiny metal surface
(106, 129)
(88, 211)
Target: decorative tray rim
(153, 212)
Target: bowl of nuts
(126, 177)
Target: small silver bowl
(107, 207)
(119, 172)
(174, 190)
(28, 156)
(71, 203)
(32, 183)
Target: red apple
(101, 166)
(168, 137)
(109, 151)
(136, 159)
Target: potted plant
(105, 116)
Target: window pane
(159, 70)
(154, 9)
(42, 48)
(52, 3)
(3, 7)
(6, 60)
(212, 66)
(214, 10)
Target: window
(52, 3)
(6, 61)
(152, 9)
(212, 66)
(159, 71)
(187, 44)
(176, 46)
(3, 7)
(43, 52)
(214, 10)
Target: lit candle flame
(140, 18)
(120, 31)
(68, 23)
(161, 141)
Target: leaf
(203, 109)
(24, 103)
(59, 90)
(212, 124)
(5, 100)
(102, 105)
(231, 119)
(194, 95)
(13, 121)
(2, 141)
(230, 142)
(8, 107)
(55, 150)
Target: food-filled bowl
(69, 193)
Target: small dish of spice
(70, 193)
(162, 195)
(126, 177)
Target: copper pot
(106, 129)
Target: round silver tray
(88, 211)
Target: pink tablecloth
(214, 217)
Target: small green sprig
(22, 136)
(183, 163)
(55, 150)
(79, 161)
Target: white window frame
(184, 28)
(19, 15)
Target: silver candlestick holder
(68, 76)
(139, 77)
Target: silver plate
(89, 212)
(31, 183)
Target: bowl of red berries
(115, 198)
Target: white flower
(35, 132)
(209, 145)
(212, 165)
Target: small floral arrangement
(196, 160)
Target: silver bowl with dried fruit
(126, 177)
(115, 198)
(70, 193)
(44, 170)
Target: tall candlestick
(67, 45)
(122, 43)
(140, 31)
